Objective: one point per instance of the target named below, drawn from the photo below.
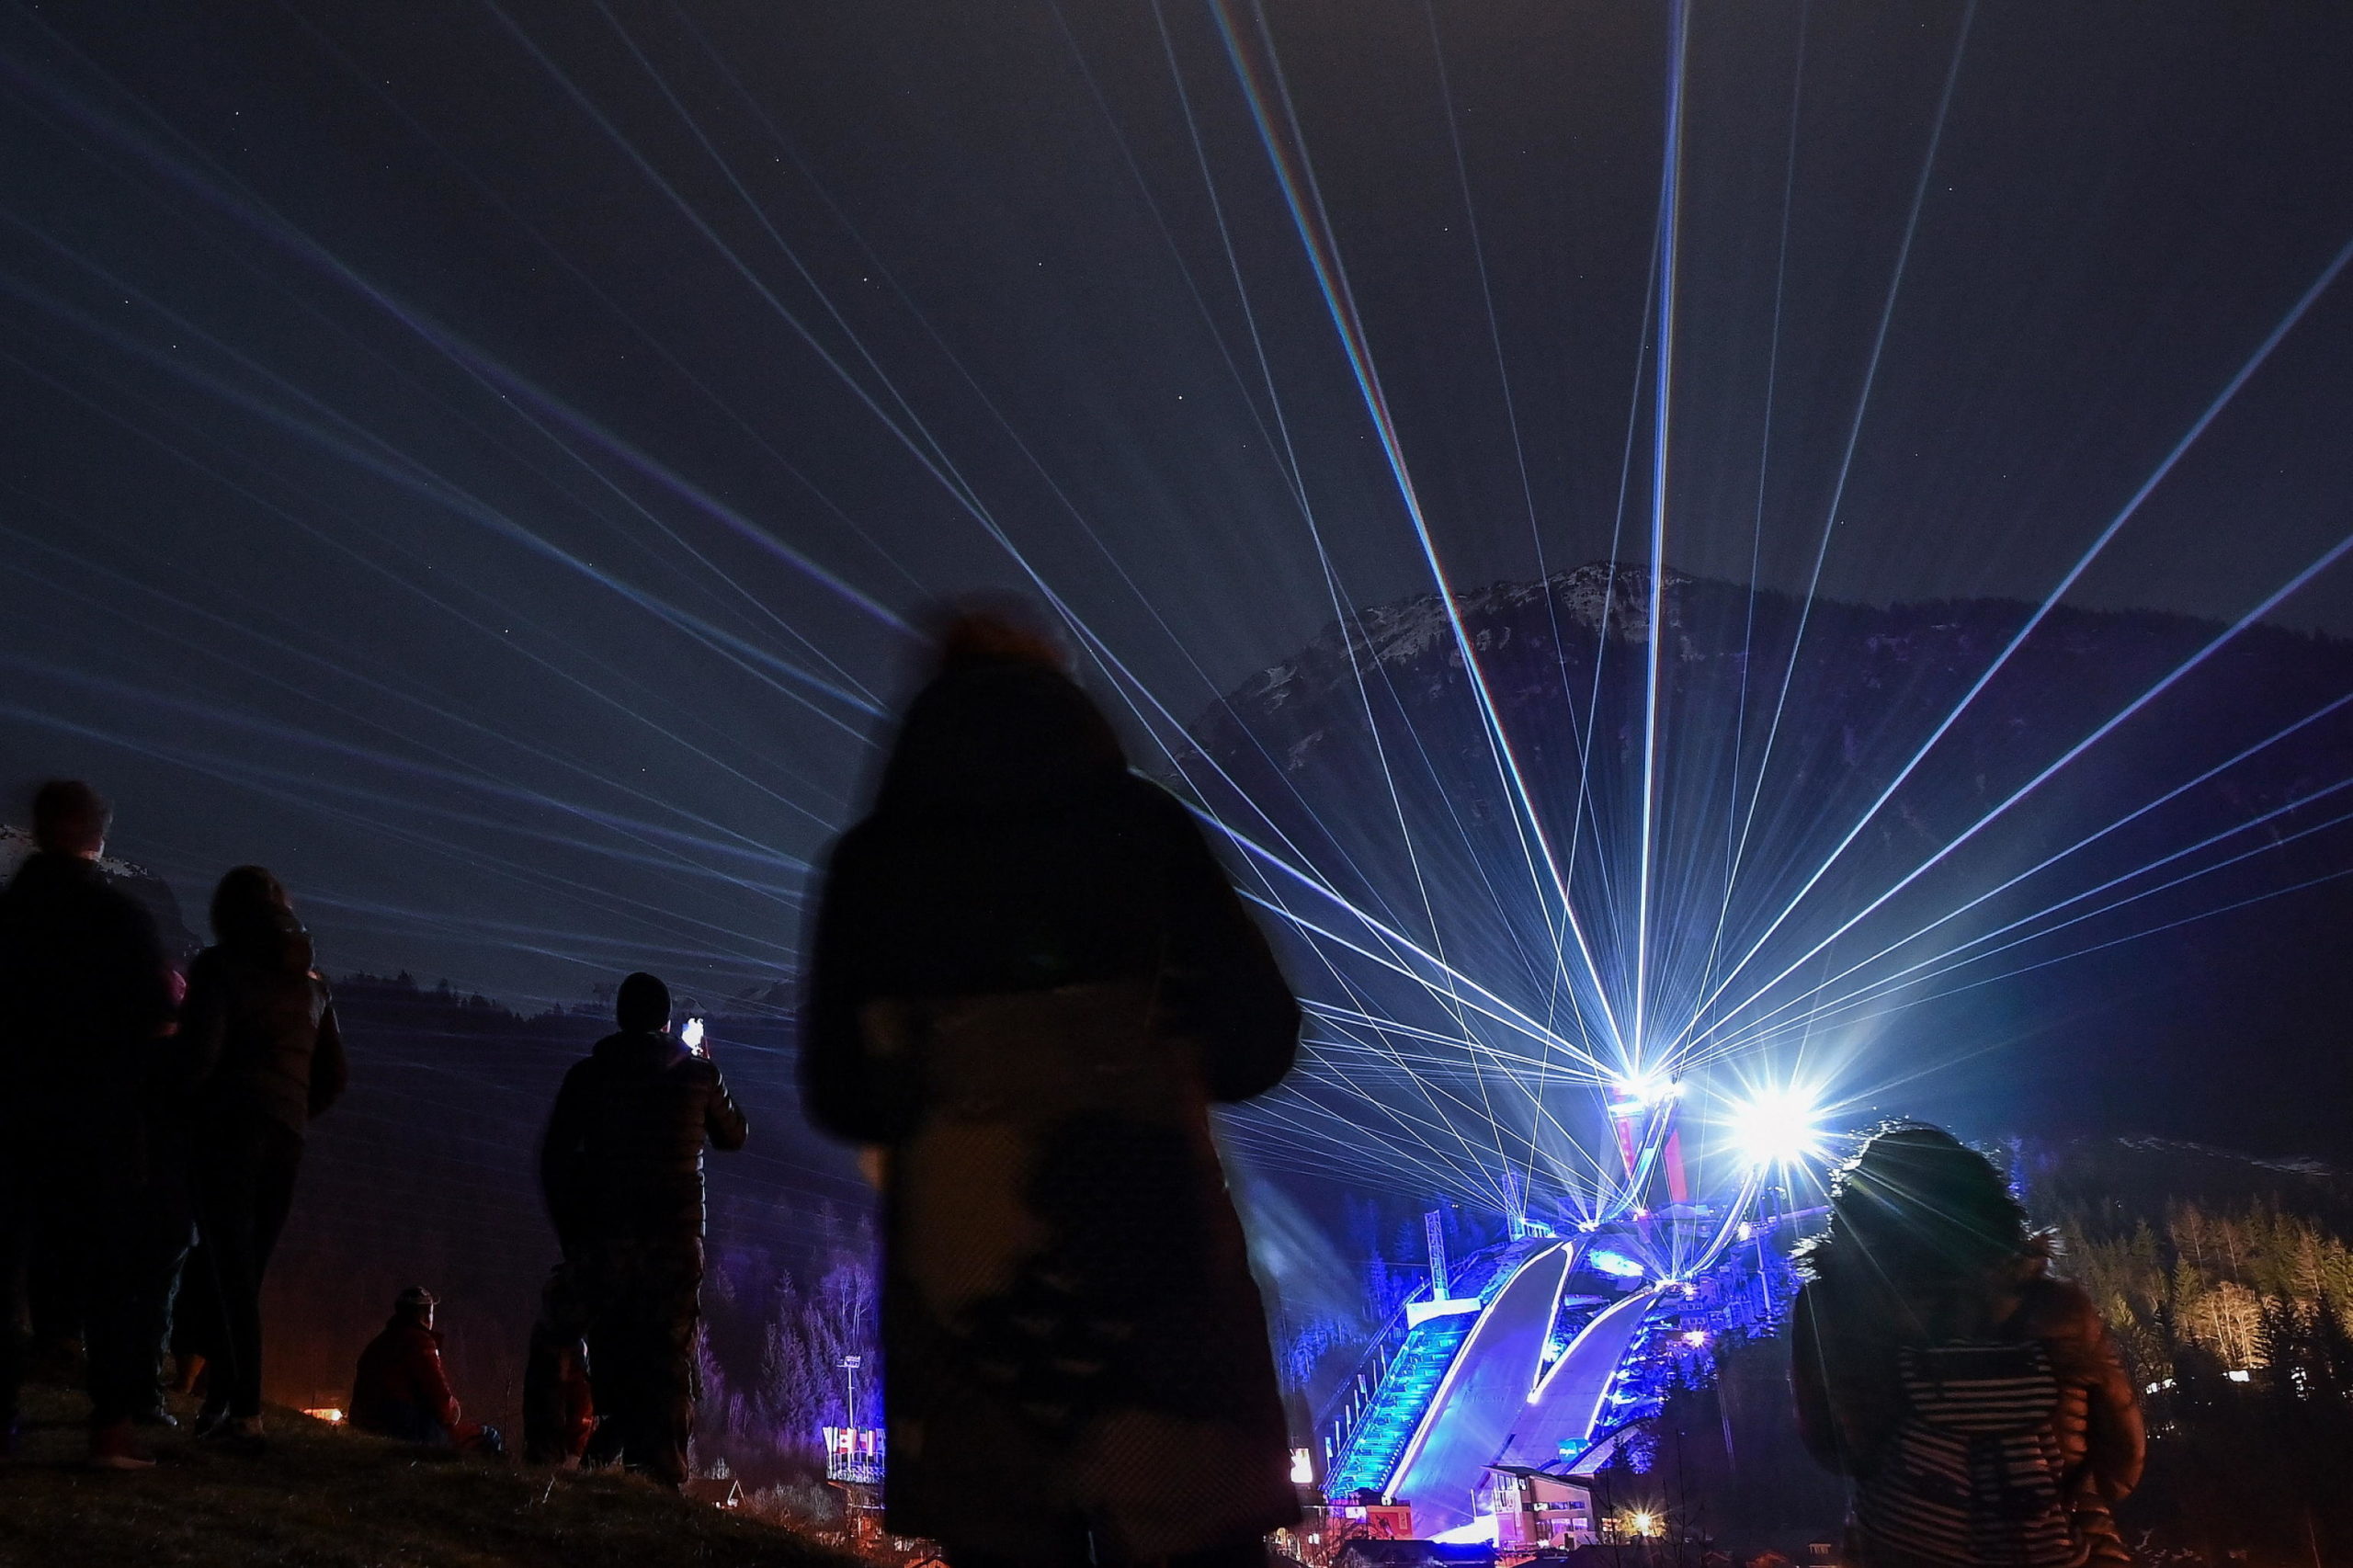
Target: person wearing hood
(86, 1076)
(621, 1168)
(268, 1057)
(1028, 981)
(1976, 1400)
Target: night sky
(480, 460)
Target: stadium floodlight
(1776, 1126)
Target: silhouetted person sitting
(86, 1086)
(1028, 981)
(260, 1032)
(1979, 1403)
(622, 1172)
(559, 1408)
(402, 1391)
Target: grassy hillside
(325, 1497)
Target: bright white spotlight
(1632, 1093)
(1777, 1126)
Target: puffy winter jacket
(84, 987)
(1850, 1327)
(91, 1080)
(401, 1390)
(623, 1154)
(261, 1028)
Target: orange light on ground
(332, 1416)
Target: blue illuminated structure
(1407, 1368)
(1407, 1386)
(1565, 1344)
(1470, 1420)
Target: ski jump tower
(1499, 1363)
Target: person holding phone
(621, 1169)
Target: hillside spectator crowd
(148, 1113)
(152, 1128)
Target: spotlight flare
(1777, 1126)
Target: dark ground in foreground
(325, 1497)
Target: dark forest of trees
(2230, 1288)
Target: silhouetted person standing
(87, 1089)
(1028, 981)
(622, 1171)
(260, 1030)
(1979, 1403)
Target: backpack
(1972, 1476)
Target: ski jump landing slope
(1484, 1398)
(1566, 1405)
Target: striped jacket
(1850, 1339)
